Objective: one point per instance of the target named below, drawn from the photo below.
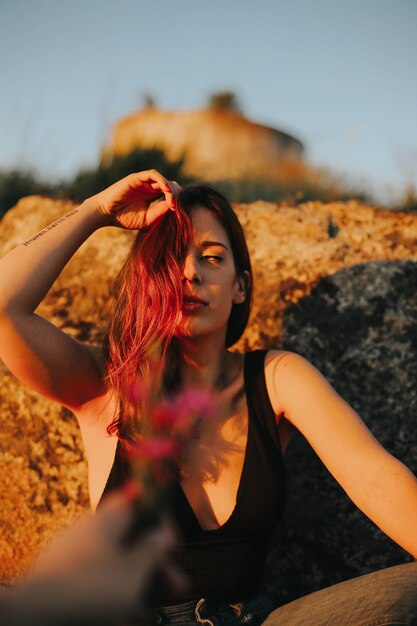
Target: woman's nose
(191, 270)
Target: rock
(359, 328)
(44, 473)
(367, 307)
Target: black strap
(257, 396)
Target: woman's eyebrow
(206, 243)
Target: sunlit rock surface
(335, 282)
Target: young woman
(185, 291)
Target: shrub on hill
(295, 184)
(87, 182)
(16, 184)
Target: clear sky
(341, 75)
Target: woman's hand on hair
(131, 202)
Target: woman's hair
(141, 344)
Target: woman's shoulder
(274, 354)
(277, 364)
(276, 359)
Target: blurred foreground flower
(154, 449)
(166, 427)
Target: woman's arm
(36, 352)
(378, 483)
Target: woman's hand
(87, 577)
(129, 203)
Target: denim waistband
(251, 610)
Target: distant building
(216, 144)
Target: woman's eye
(212, 256)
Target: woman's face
(209, 280)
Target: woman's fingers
(156, 209)
(176, 188)
(166, 190)
(115, 515)
(160, 183)
(130, 202)
(154, 552)
(176, 580)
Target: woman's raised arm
(35, 351)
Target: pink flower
(132, 489)
(195, 401)
(161, 474)
(155, 448)
(180, 414)
(164, 416)
(139, 391)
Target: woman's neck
(204, 363)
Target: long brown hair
(140, 342)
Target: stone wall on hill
(215, 144)
(335, 282)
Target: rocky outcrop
(359, 327)
(215, 144)
(335, 282)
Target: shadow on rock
(359, 328)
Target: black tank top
(227, 563)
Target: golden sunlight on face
(209, 281)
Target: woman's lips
(193, 304)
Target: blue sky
(341, 75)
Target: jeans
(388, 596)
(251, 611)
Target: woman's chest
(211, 468)
(213, 463)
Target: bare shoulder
(290, 363)
(290, 373)
(308, 399)
(276, 361)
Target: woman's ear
(242, 287)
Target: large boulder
(359, 327)
(293, 249)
